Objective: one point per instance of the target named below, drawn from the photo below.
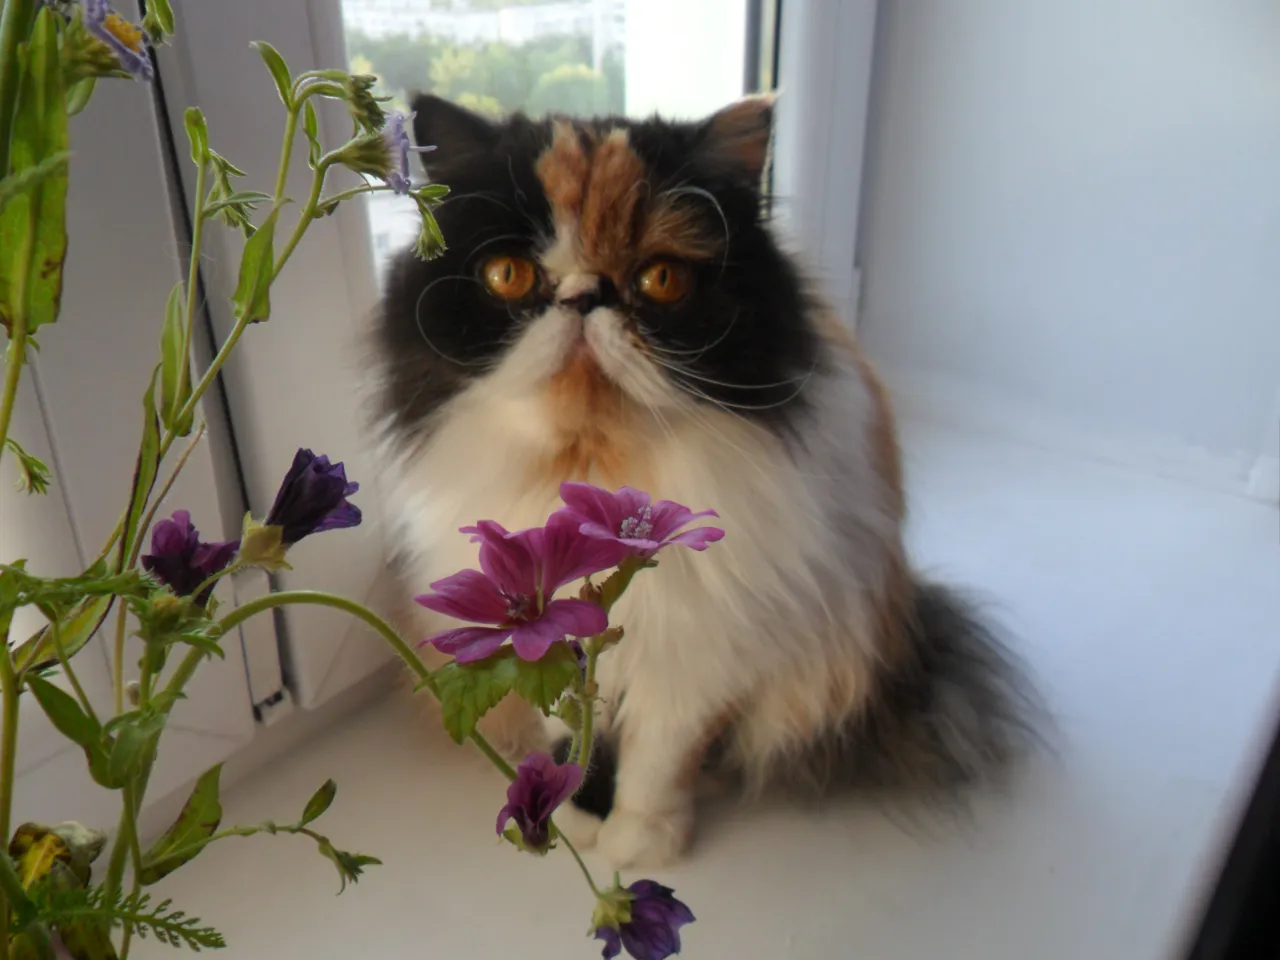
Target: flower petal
(612, 942)
(568, 553)
(575, 618)
(699, 538)
(468, 644)
(668, 516)
(466, 595)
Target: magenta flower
(179, 560)
(121, 37)
(653, 932)
(513, 595)
(313, 498)
(630, 519)
(540, 786)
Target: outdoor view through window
(573, 56)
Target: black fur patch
(741, 340)
(596, 793)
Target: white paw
(580, 827)
(634, 840)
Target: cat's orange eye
(665, 281)
(509, 278)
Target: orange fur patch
(592, 418)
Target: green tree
(570, 88)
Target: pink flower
(629, 518)
(513, 594)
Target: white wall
(1076, 205)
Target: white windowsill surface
(1147, 607)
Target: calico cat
(613, 307)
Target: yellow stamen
(127, 33)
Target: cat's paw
(636, 840)
(579, 827)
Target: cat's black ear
(736, 139)
(453, 130)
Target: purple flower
(540, 786)
(521, 573)
(181, 561)
(630, 519)
(313, 498)
(399, 146)
(123, 38)
(653, 932)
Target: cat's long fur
(800, 648)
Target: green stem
(578, 857)
(587, 735)
(384, 629)
(117, 661)
(193, 278)
(65, 661)
(355, 192)
(15, 26)
(8, 762)
(286, 151)
(17, 352)
(157, 500)
(304, 219)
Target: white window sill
(1147, 607)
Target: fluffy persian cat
(613, 307)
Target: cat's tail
(954, 707)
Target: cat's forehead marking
(597, 187)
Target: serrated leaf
(144, 470)
(311, 127)
(252, 299)
(543, 681)
(74, 631)
(181, 843)
(320, 802)
(175, 384)
(279, 70)
(350, 865)
(470, 690)
(39, 131)
(198, 134)
(65, 713)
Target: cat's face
(599, 268)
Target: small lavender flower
(653, 930)
(540, 786)
(399, 146)
(312, 499)
(179, 560)
(123, 38)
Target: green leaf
(432, 192)
(279, 70)
(83, 845)
(38, 856)
(252, 299)
(159, 20)
(470, 690)
(33, 176)
(144, 471)
(33, 475)
(350, 865)
(74, 631)
(134, 747)
(71, 908)
(175, 385)
(198, 134)
(311, 127)
(65, 713)
(79, 93)
(319, 802)
(543, 681)
(197, 822)
(33, 224)
(244, 198)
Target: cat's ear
(453, 130)
(736, 139)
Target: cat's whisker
(417, 318)
(699, 353)
(684, 372)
